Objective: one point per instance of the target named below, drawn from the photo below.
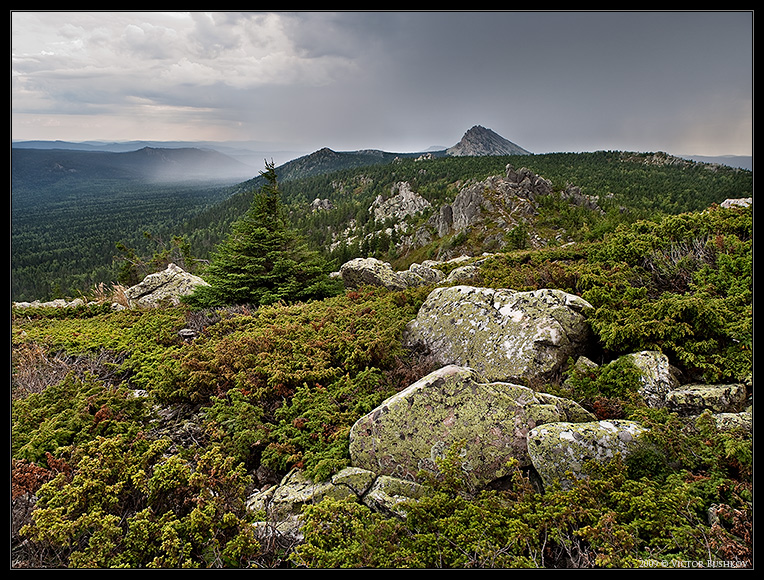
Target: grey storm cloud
(549, 81)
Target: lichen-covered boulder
(742, 421)
(388, 493)
(455, 408)
(560, 451)
(361, 272)
(463, 274)
(695, 398)
(427, 273)
(280, 508)
(296, 490)
(421, 275)
(658, 377)
(165, 287)
(503, 334)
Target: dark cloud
(549, 81)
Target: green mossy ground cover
(140, 448)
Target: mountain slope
(33, 168)
(481, 141)
(35, 165)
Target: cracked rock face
(455, 408)
(503, 334)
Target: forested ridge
(65, 229)
(134, 447)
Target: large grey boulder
(163, 288)
(454, 407)
(361, 272)
(561, 451)
(503, 334)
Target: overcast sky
(680, 82)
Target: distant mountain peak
(481, 141)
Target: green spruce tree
(264, 260)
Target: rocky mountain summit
(481, 141)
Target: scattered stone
(187, 334)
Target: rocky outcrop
(737, 202)
(321, 205)
(560, 451)
(455, 406)
(503, 334)
(500, 203)
(403, 202)
(507, 200)
(163, 288)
